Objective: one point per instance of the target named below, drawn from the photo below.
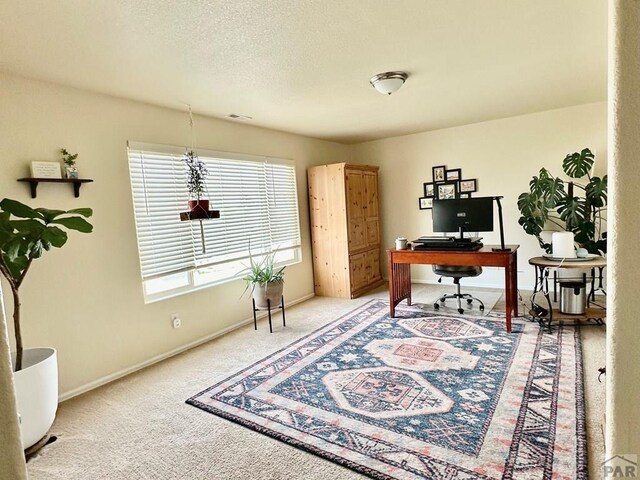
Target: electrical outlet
(175, 320)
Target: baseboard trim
(163, 356)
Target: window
(258, 205)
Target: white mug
(401, 243)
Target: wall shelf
(33, 182)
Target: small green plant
(67, 158)
(579, 210)
(25, 238)
(196, 174)
(263, 272)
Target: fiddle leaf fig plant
(579, 208)
(25, 234)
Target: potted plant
(266, 282)
(24, 239)
(196, 176)
(579, 208)
(69, 160)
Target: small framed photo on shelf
(439, 173)
(425, 203)
(45, 170)
(429, 190)
(447, 191)
(464, 195)
(453, 175)
(468, 186)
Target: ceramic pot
(37, 393)
(199, 206)
(270, 291)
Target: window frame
(290, 255)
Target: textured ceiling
(303, 66)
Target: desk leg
(508, 286)
(399, 284)
(514, 287)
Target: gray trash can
(573, 298)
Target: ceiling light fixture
(388, 82)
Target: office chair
(457, 272)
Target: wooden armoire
(345, 229)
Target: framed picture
(438, 173)
(45, 170)
(468, 186)
(425, 203)
(464, 195)
(429, 189)
(453, 174)
(447, 190)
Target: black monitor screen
(463, 215)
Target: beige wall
(502, 154)
(623, 328)
(86, 299)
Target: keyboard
(442, 240)
(449, 245)
(434, 239)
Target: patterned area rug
(423, 395)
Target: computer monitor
(463, 215)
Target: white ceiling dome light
(388, 82)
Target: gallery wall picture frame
(468, 186)
(425, 203)
(464, 195)
(439, 173)
(453, 174)
(447, 190)
(429, 189)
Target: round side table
(543, 265)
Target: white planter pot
(271, 291)
(37, 393)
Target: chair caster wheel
(436, 306)
(469, 301)
(461, 310)
(482, 308)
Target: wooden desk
(400, 262)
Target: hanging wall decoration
(446, 183)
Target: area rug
(422, 395)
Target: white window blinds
(256, 196)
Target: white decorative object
(401, 243)
(37, 393)
(562, 245)
(70, 172)
(45, 170)
(582, 253)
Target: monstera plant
(575, 206)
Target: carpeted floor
(140, 428)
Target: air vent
(236, 116)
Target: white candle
(562, 245)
